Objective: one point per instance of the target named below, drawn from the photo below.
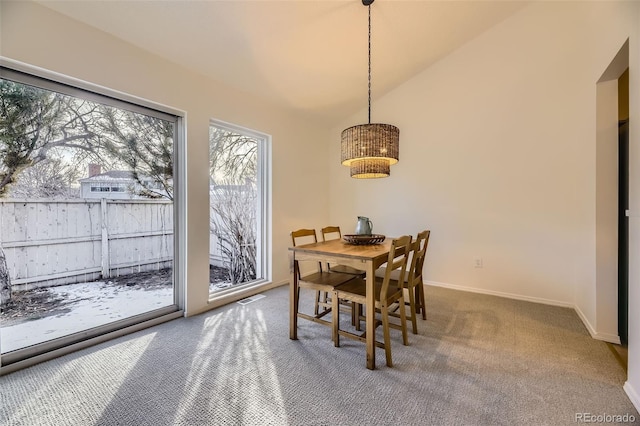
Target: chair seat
(358, 287)
(344, 269)
(330, 280)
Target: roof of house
(111, 175)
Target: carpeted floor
(478, 360)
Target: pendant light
(370, 149)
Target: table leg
(370, 309)
(293, 302)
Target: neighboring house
(115, 184)
(112, 184)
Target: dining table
(367, 257)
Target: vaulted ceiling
(306, 55)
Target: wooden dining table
(364, 257)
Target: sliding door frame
(49, 80)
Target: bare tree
(233, 200)
(232, 155)
(143, 144)
(233, 221)
(51, 178)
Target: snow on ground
(87, 305)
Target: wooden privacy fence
(53, 242)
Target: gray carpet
(478, 360)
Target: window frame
(263, 233)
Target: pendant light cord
(369, 63)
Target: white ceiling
(310, 55)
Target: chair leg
(354, 314)
(423, 306)
(403, 322)
(385, 331)
(335, 321)
(412, 307)
(358, 310)
(316, 309)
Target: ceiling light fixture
(370, 149)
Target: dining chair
(386, 294)
(333, 233)
(413, 281)
(320, 280)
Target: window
(239, 216)
(70, 250)
(110, 187)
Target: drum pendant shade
(370, 149)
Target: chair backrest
(333, 232)
(422, 254)
(304, 236)
(419, 251)
(330, 233)
(397, 261)
(297, 236)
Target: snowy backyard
(40, 315)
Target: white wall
(498, 155)
(35, 35)
(498, 159)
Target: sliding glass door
(87, 214)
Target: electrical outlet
(477, 262)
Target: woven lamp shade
(370, 169)
(374, 141)
(370, 149)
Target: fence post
(106, 270)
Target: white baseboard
(605, 337)
(586, 322)
(632, 394)
(502, 294)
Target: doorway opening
(612, 187)
(623, 207)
